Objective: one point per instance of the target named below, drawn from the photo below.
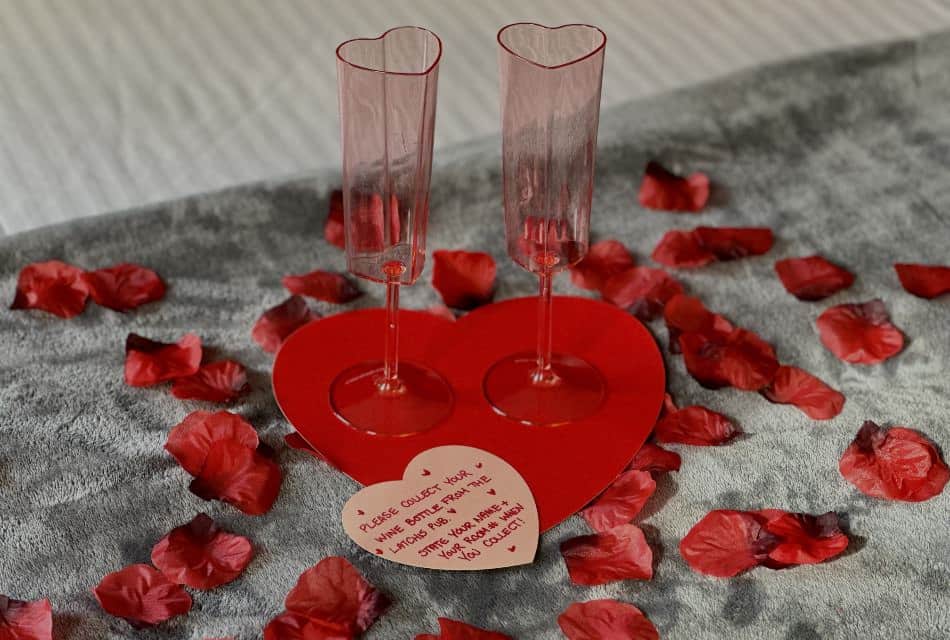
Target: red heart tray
(565, 466)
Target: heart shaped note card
(456, 508)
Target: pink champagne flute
(387, 92)
(550, 105)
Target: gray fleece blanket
(845, 154)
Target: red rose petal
(295, 441)
(201, 555)
(812, 278)
(606, 620)
(20, 620)
(860, 333)
(682, 250)
(293, 626)
(333, 229)
(464, 279)
(603, 260)
(725, 543)
(655, 459)
(455, 630)
(142, 596)
(804, 538)
(322, 285)
(277, 323)
(541, 237)
(620, 502)
(334, 593)
(239, 475)
(148, 362)
(642, 291)
(619, 554)
(894, 464)
(695, 425)
(666, 191)
(795, 386)
(732, 243)
(925, 281)
(684, 314)
(52, 286)
(124, 286)
(739, 359)
(222, 381)
(190, 440)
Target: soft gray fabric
(844, 155)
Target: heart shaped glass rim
(594, 51)
(381, 37)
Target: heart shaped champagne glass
(550, 104)
(387, 92)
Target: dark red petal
(148, 362)
(725, 543)
(642, 291)
(124, 286)
(739, 359)
(655, 459)
(442, 311)
(52, 286)
(322, 285)
(619, 554)
(731, 243)
(812, 278)
(895, 464)
(795, 386)
(695, 425)
(190, 440)
(684, 314)
(239, 475)
(201, 555)
(682, 249)
(925, 281)
(333, 230)
(604, 259)
(455, 630)
(860, 333)
(464, 279)
(222, 381)
(295, 441)
(336, 594)
(293, 626)
(277, 323)
(606, 620)
(20, 620)
(621, 501)
(804, 538)
(142, 596)
(666, 191)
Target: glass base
(577, 391)
(421, 401)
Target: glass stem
(544, 374)
(390, 382)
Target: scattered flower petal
(682, 250)
(726, 543)
(20, 620)
(333, 229)
(795, 386)
(695, 425)
(925, 281)
(455, 630)
(894, 464)
(620, 502)
(603, 260)
(739, 359)
(655, 459)
(222, 381)
(148, 362)
(239, 475)
(619, 554)
(51, 286)
(124, 286)
(334, 593)
(277, 323)
(201, 555)
(812, 278)
(684, 314)
(322, 285)
(860, 333)
(293, 626)
(190, 440)
(804, 538)
(142, 596)
(732, 243)
(642, 291)
(666, 191)
(464, 279)
(606, 620)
